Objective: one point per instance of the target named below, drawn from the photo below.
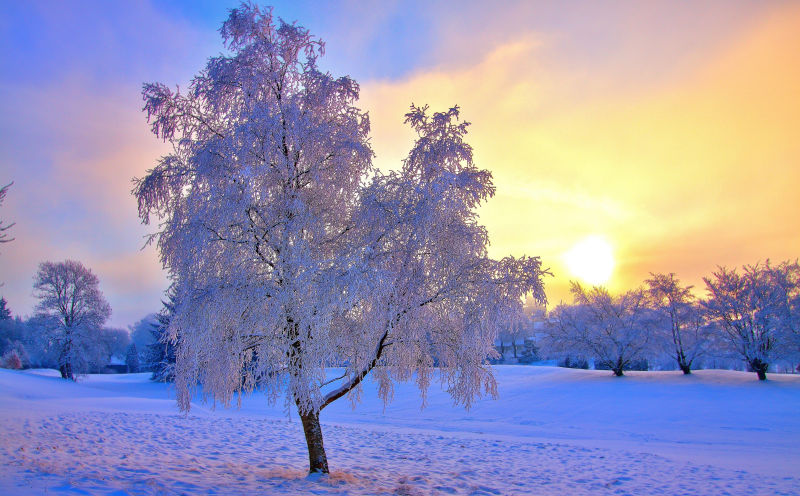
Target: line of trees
(30, 343)
(68, 332)
(751, 314)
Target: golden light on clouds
(699, 171)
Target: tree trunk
(317, 460)
(65, 360)
(760, 368)
(683, 363)
(617, 368)
(66, 371)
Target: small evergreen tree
(5, 313)
(576, 363)
(141, 333)
(132, 359)
(530, 351)
(161, 353)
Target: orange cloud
(71, 195)
(682, 176)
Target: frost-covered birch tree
(614, 329)
(681, 322)
(290, 255)
(751, 309)
(71, 307)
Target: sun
(591, 260)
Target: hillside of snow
(552, 431)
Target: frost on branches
(682, 322)
(756, 310)
(291, 255)
(615, 329)
(71, 308)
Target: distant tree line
(749, 316)
(67, 331)
(32, 343)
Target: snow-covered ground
(553, 431)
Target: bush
(17, 349)
(641, 364)
(11, 360)
(530, 352)
(574, 363)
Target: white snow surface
(552, 431)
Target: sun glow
(591, 260)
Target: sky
(668, 129)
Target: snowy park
(552, 431)
(399, 248)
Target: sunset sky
(671, 130)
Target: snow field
(553, 431)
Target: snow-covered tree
(161, 353)
(142, 335)
(70, 306)
(750, 308)
(530, 351)
(681, 322)
(5, 313)
(132, 359)
(787, 276)
(522, 331)
(614, 329)
(12, 338)
(515, 334)
(290, 256)
(22, 335)
(99, 346)
(11, 360)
